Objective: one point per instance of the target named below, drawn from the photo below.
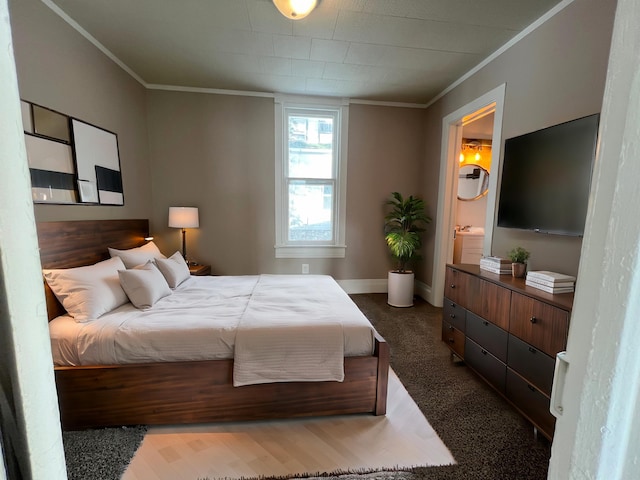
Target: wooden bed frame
(185, 392)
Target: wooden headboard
(84, 242)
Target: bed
(192, 391)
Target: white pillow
(88, 292)
(174, 269)
(144, 285)
(138, 255)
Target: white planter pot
(400, 289)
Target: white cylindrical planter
(400, 289)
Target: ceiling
(405, 51)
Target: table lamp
(184, 217)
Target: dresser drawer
(491, 369)
(534, 365)
(489, 336)
(541, 325)
(490, 301)
(454, 338)
(533, 403)
(454, 314)
(455, 287)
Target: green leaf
(404, 223)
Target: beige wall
(385, 152)
(59, 69)
(555, 74)
(212, 151)
(216, 152)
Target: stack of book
(551, 282)
(501, 266)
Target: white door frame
(452, 124)
(597, 432)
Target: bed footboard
(203, 391)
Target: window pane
(310, 147)
(310, 212)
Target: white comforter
(265, 322)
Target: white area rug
(300, 447)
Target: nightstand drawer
(454, 314)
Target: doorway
(452, 133)
(474, 172)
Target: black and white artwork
(98, 161)
(70, 161)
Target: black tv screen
(546, 177)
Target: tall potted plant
(404, 224)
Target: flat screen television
(546, 177)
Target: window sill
(320, 251)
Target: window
(311, 145)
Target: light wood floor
(402, 438)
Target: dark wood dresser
(509, 334)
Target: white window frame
(339, 108)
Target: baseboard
(379, 285)
(365, 285)
(424, 291)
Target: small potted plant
(404, 225)
(519, 257)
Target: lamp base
(184, 249)
(184, 245)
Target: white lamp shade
(183, 217)
(295, 9)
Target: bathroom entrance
(451, 212)
(474, 170)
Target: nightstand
(200, 270)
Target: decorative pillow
(137, 256)
(144, 285)
(174, 269)
(88, 292)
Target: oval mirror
(473, 182)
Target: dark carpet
(102, 453)
(487, 437)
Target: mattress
(200, 320)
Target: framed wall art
(70, 161)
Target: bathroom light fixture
(295, 9)
(473, 151)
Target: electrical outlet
(305, 268)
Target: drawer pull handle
(452, 315)
(451, 340)
(453, 305)
(483, 351)
(532, 350)
(452, 286)
(531, 388)
(533, 320)
(485, 323)
(451, 328)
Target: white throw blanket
(291, 331)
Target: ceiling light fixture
(295, 9)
